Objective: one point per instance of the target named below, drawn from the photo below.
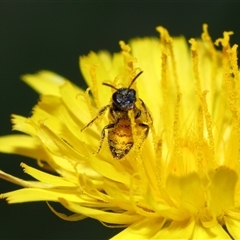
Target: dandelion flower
(183, 182)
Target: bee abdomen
(119, 149)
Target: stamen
(204, 106)
(159, 165)
(128, 60)
(88, 100)
(208, 120)
(169, 42)
(168, 51)
(94, 88)
(163, 37)
(234, 66)
(177, 154)
(195, 61)
(199, 146)
(231, 81)
(213, 55)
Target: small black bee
(120, 134)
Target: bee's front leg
(100, 113)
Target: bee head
(124, 99)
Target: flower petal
(23, 124)
(147, 53)
(56, 145)
(233, 226)
(38, 194)
(108, 170)
(143, 229)
(186, 192)
(74, 217)
(22, 145)
(108, 217)
(48, 178)
(94, 71)
(44, 82)
(222, 187)
(176, 230)
(75, 101)
(215, 232)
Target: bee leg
(100, 113)
(143, 125)
(138, 114)
(147, 113)
(103, 134)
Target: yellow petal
(48, 111)
(44, 82)
(147, 51)
(23, 124)
(106, 169)
(143, 229)
(75, 101)
(166, 209)
(215, 232)
(56, 145)
(22, 145)
(37, 194)
(108, 217)
(74, 217)
(186, 192)
(48, 178)
(222, 188)
(176, 230)
(95, 72)
(21, 182)
(233, 226)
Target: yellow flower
(183, 182)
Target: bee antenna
(109, 85)
(134, 79)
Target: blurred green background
(52, 35)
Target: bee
(120, 132)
